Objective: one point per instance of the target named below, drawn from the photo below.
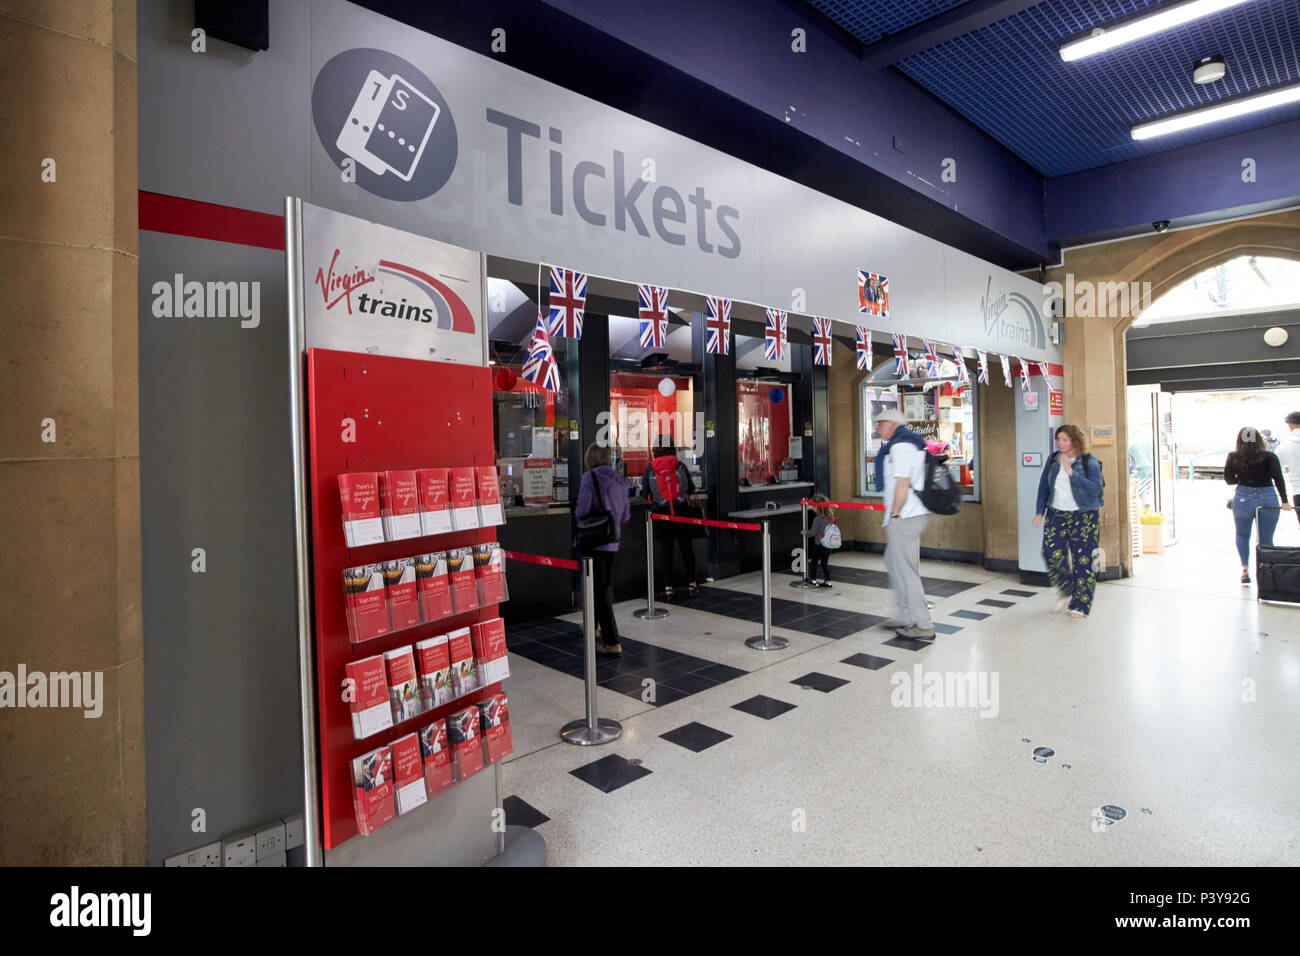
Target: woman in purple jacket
(603, 488)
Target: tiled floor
(1142, 703)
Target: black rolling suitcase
(1277, 569)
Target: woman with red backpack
(668, 489)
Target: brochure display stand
(398, 567)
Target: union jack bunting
(718, 325)
(1006, 369)
(1042, 368)
(1024, 375)
(568, 300)
(864, 347)
(539, 366)
(962, 375)
(821, 341)
(900, 354)
(983, 375)
(774, 338)
(653, 315)
(931, 358)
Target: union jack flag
(1006, 369)
(568, 300)
(1042, 368)
(653, 315)
(962, 375)
(900, 354)
(775, 336)
(539, 366)
(931, 358)
(1024, 375)
(983, 375)
(821, 341)
(718, 325)
(864, 347)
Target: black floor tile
(947, 628)
(993, 602)
(1014, 592)
(521, 814)
(665, 694)
(690, 683)
(762, 706)
(609, 773)
(868, 661)
(971, 615)
(822, 682)
(941, 587)
(909, 644)
(695, 736)
(721, 672)
(629, 685)
(790, 615)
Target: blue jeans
(1244, 503)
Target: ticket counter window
(530, 423)
(654, 395)
(942, 412)
(765, 421)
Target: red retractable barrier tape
(853, 505)
(541, 559)
(709, 523)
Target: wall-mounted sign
(369, 288)
(1032, 459)
(1057, 403)
(1103, 435)
(796, 447)
(807, 430)
(1031, 401)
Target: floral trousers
(1070, 550)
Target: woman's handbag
(596, 528)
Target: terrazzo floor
(1178, 701)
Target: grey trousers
(903, 562)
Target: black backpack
(940, 495)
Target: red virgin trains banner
(369, 288)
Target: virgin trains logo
(392, 290)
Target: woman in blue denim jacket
(1070, 497)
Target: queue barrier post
(804, 545)
(650, 612)
(765, 641)
(591, 729)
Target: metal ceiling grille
(1009, 80)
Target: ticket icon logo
(388, 126)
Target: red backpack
(666, 487)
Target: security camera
(1160, 225)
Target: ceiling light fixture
(1218, 113)
(1133, 30)
(1208, 69)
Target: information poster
(539, 474)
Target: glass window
(765, 391)
(530, 423)
(937, 409)
(654, 394)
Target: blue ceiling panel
(1008, 77)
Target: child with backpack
(823, 538)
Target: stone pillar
(74, 789)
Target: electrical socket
(208, 855)
(293, 832)
(270, 840)
(239, 850)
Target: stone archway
(1096, 369)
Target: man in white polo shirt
(1288, 454)
(900, 471)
